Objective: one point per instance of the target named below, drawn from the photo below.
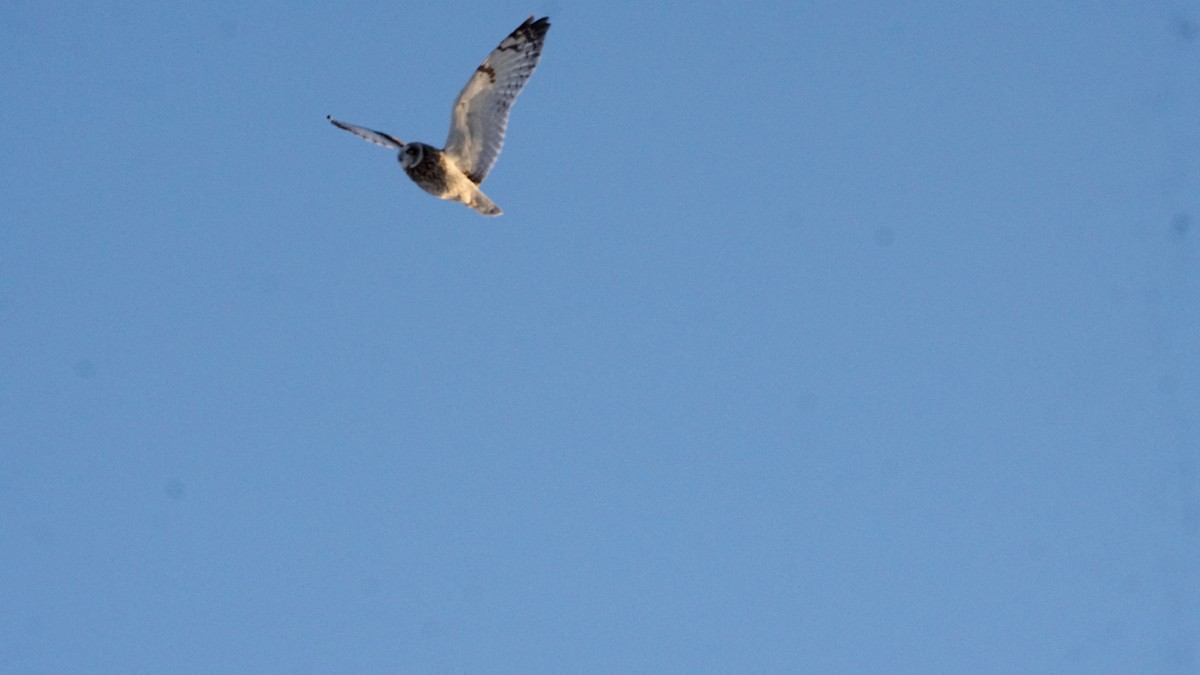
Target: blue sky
(831, 337)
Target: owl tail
(483, 205)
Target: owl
(477, 123)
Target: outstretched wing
(376, 137)
(481, 112)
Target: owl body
(434, 173)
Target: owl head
(411, 155)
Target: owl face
(411, 155)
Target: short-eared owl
(476, 124)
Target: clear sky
(816, 337)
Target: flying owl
(477, 123)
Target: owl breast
(430, 172)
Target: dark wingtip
(537, 28)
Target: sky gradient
(822, 338)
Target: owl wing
(376, 137)
(480, 114)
